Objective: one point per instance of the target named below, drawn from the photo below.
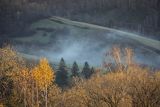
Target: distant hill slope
(58, 37)
(55, 23)
(146, 41)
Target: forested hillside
(79, 53)
(142, 16)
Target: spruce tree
(86, 71)
(75, 70)
(62, 74)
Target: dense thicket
(128, 85)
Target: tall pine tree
(62, 74)
(86, 72)
(75, 70)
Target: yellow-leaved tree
(9, 61)
(10, 65)
(22, 87)
(44, 76)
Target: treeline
(64, 75)
(24, 84)
(28, 83)
(16, 15)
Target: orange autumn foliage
(43, 74)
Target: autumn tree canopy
(35, 86)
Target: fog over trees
(101, 62)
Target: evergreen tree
(75, 70)
(62, 74)
(86, 71)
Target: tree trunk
(24, 99)
(37, 96)
(46, 95)
(32, 95)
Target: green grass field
(77, 29)
(48, 30)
